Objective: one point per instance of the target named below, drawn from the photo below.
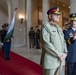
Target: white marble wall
(45, 7)
(72, 6)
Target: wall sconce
(21, 18)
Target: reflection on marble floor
(32, 54)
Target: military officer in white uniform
(54, 49)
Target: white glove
(1, 44)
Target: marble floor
(31, 54)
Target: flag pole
(13, 37)
(11, 27)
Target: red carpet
(18, 65)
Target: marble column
(45, 7)
(28, 18)
(9, 11)
(72, 6)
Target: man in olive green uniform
(54, 49)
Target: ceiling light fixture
(57, 3)
(63, 4)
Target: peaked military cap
(72, 16)
(54, 10)
(6, 24)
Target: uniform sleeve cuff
(60, 55)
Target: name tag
(53, 31)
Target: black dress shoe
(7, 59)
(37, 47)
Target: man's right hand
(63, 56)
(74, 36)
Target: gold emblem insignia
(57, 9)
(73, 15)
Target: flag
(11, 28)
